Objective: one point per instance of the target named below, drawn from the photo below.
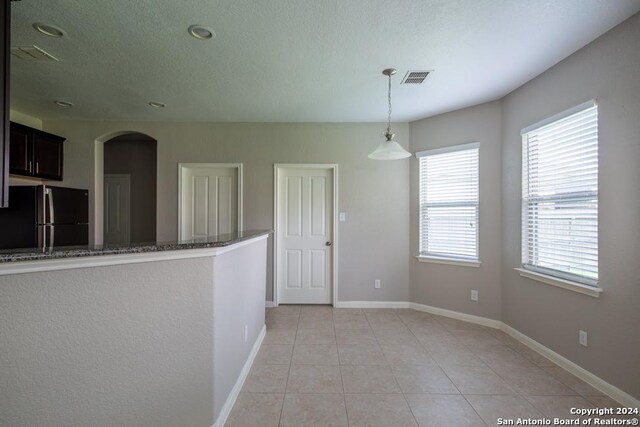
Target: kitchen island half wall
(148, 339)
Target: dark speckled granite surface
(13, 255)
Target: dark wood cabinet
(20, 155)
(35, 153)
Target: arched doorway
(129, 189)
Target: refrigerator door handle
(49, 193)
(51, 236)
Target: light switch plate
(342, 217)
(582, 338)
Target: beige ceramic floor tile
(443, 410)
(386, 323)
(603, 402)
(315, 336)
(347, 311)
(533, 381)
(280, 336)
(342, 322)
(532, 355)
(314, 379)
(266, 379)
(378, 410)
(256, 409)
(572, 381)
(477, 380)
(368, 379)
(434, 342)
(454, 354)
(423, 379)
(314, 410)
(315, 354)
(407, 355)
(395, 336)
(282, 322)
(355, 336)
(356, 354)
(286, 309)
(316, 309)
(491, 408)
(274, 354)
(558, 406)
(476, 338)
(314, 322)
(502, 357)
(457, 325)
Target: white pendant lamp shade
(389, 149)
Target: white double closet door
(210, 197)
(304, 221)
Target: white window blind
(449, 202)
(560, 196)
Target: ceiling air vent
(32, 53)
(415, 77)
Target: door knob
(328, 244)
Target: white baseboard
(478, 320)
(372, 304)
(596, 382)
(235, 391)
(269, 304)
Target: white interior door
(210, 199)
(117, 200)
(304, 230)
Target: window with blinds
(560, 195)
(449, 202)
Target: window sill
(450, 261)
(561, 283)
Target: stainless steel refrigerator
(44, 217)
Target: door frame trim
(104, 216)
(183, 166)
(334, 258)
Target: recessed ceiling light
(61, 103)
(200, 32)
(156, 104)
(49, 30)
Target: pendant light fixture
(389, 149)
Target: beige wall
(25, 119)
(448, 286)
(373, 242)
(108, 346)
(607, 70)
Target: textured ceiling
(292, 60)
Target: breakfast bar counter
(148, 335)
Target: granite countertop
(14, 255)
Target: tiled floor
(320, 366)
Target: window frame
(571, 281)
(449, 258)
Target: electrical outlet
(342, 217)
(377, 284)
(474, 295)
(246, 333)
(582, 338)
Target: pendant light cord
(389, 99)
